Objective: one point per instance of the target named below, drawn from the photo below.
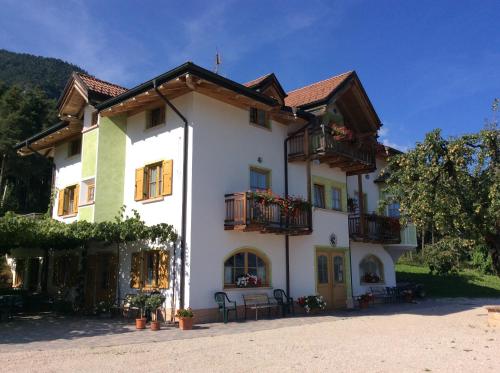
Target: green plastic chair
(225, 305)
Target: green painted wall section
(329, 184)
(86, 213)
(89, 153)
(110, 176)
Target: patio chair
(225, 305)
(284, 301)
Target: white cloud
(384, 139)
(70, 31)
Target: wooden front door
(100, 284)
(330, 278)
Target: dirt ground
(441, 335)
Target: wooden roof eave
(48, 139)
(178, 87)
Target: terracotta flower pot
(186, 323)
(140, 323)
(155, 325)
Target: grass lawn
(466, 284)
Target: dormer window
(156, 117)
(75, 147)
(259, 117)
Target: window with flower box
(246, 268)
(371, 270)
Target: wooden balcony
(245, 213)
(332, 149)
(374, 228)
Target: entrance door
(100, 284)
(331, 281)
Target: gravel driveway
(435, 335)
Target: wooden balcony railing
(374, 228)
(244, 212)
(324, 145)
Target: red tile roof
(315, 92)
(251, 83)
(101, 86)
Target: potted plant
(364, 300)
(312, 303)
(408, 295)
(139, 301)
(153, 303)
(185, 316)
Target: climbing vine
(46, 233)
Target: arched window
(246, 262)
(371, 270)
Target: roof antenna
(218, 60)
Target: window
(68, 200)
(338, 269)
(259, 117)
(149, 269)
(319, 196)
(336, 199)
(393, 210)
(246, 262)
(260, 180)
(153, 180)
(75, 147)
(156, 117)
(90, 192)
(322, 269)
(371, 270)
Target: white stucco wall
(225, 146)
(361, 250)
(68, 172)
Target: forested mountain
(29, 87)
(29, 71)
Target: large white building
(204, 153)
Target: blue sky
(423, 63)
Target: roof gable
(82, 88)
(269, 85)
(316, 92)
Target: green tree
(24, 181)
(452, 186)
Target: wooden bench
(258, 302)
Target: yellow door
(339, 281)
(323, 279)
(330, 278)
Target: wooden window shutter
(139, 184)
(77, 195)
(135, 271)
(167, 170)
(60, 203)
(163, 267)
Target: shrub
(445, 256)
(184, 312)
(481, 260)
